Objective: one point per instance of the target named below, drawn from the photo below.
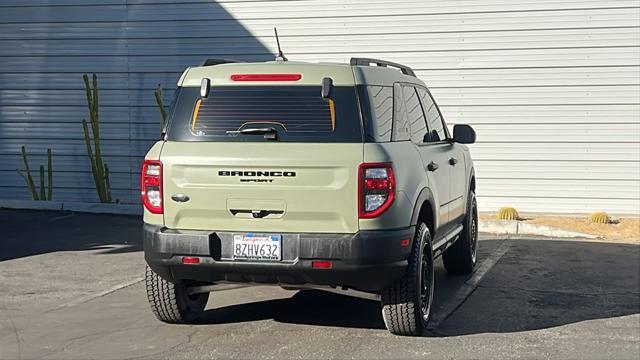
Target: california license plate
(257, 247)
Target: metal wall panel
(46, 46)
(552, 87)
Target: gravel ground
(624, 230)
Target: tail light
(151, 186)
(376, 189)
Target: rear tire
(170, 302)
(406, 305)
(460, 258)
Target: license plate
(257, 247)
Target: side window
(400, 123)
(415, 116)
(436, 124)
(380, 105)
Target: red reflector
(321, 264)
(266, 77)
(405, 242)
(152, 180)
(376, 184)
(190, 260)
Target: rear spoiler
(207, 62)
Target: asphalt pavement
(71, 287)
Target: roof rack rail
(211, 62)
(367, 62)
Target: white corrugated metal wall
(551, 87)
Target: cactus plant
(49, 175)
(163, 113)
(48, 195)
(99, 169)
(43, 195)
(507, 213)
(600, 218)
(27, 178)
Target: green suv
(307, 176)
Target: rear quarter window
(377, 104)
(298, 113)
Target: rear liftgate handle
(256, 214)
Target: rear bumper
(367, 260)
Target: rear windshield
(296, 113)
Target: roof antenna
(280, 56)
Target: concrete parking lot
(71, 288)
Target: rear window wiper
(268, 132)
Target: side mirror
(204, 87)
(464, 134)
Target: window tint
(230, 108)
(298, 113)
(436, 124)
(415, 116)
(400, 123)
(378, 109)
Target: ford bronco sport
(307, 176)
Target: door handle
(453, 161)
(432, 166)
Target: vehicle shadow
(312, 307)
(541, 284)
(32, 232)
(537, 284)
